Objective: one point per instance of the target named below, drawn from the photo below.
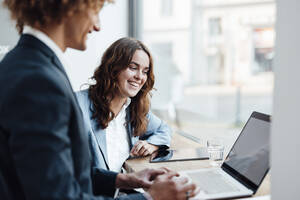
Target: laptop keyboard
(212, 182)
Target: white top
(117, 140)
(47, 41)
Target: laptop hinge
(240, 178)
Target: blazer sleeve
(102, 181)
(39, 142)
(158, 132)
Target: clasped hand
(143, 148)
(161, 184)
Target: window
(221, 57)
(214, 26)
(166, 8)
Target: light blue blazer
(158, 133)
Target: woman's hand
(143, 148)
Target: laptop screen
(249, 155)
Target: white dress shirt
(117, 140)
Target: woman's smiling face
(132, 79)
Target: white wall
(113, 20)
(8, 34)
(285, 155)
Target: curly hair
(116, 59)
(40, 13)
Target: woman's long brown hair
(116, 59)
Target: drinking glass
(215, 149)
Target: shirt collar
(128, 101)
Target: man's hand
(141, 179)
(169, 187)
(143, 148)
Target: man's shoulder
(28, 50)
(18, 65)
(28, 69)
(23, 61)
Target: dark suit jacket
(43, 143)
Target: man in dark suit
(43, 142)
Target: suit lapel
(128, 128)
(59, 66)
(64, 77)
(100, 135)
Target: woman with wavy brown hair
(116, 108)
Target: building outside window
(166, 8)
(219, 62)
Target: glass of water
(215, 149)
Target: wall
(113, 20)
(285, 159)
(8, 34)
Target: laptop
(245, 166)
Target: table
(178, 141)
